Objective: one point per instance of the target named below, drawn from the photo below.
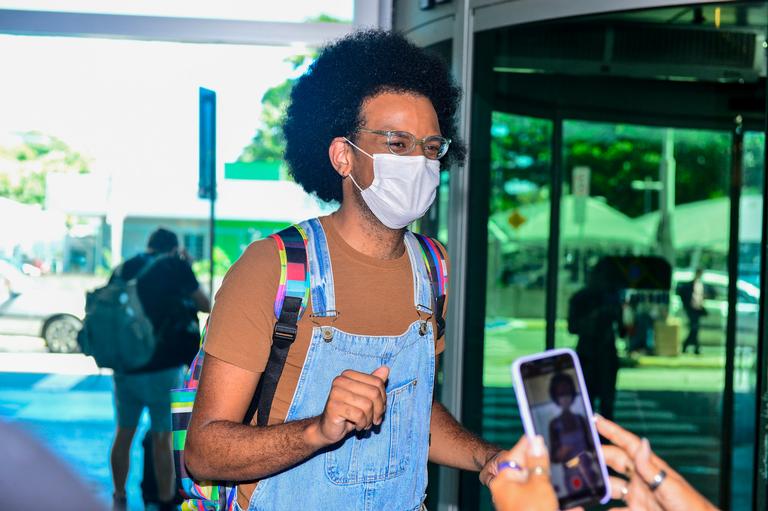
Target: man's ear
(340, 155)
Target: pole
(207, 169)
(212, 244)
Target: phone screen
(559, 414)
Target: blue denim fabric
(321, 276)
(134, 392)
(384, 468)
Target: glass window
(747, 319)
(634, 350)
(518, 229)
(641, 108)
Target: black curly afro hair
(326, 101)
(558, 382)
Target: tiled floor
(73, 415)
(67, 403)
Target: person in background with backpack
(595, 315)
(164, 281)
(353, 421)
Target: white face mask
(403, 188)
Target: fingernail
(645, 448)
(537, 446)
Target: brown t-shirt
(373, 297)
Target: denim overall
(384, 468)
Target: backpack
(178, 337)
(116, 331)
(290, 301)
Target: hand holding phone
(515, 488)
(632, 457)
(554, 403)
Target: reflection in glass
(656, 192)
(640, 107)
(747, 304)
(518, 230)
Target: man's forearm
(453, 445)
(224, 450)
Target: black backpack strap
(437, 268)
(291, 298)
(147, 260)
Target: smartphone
(554, 403)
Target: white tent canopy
(704, 224)
(601, 224)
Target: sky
(254, 10)
(131, 106)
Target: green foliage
(326, 18)
(615, 161)
(268, 143)
(24, 166)
(754, 162)
(521, 150)
(616, 154)
(221, 263)
(106, 261)
(703, 165)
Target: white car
(41, 306)
(712, 326)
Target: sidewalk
(66, 402)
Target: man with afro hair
(353, 421)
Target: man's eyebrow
(388, 127)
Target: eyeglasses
(402, 143)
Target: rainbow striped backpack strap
(290, 302)
(198, 495)
(437, 267)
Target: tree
(268, 143)
(620, 154)
(24, 166)
(616, 154)
(520, 151)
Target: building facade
(628, 130)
